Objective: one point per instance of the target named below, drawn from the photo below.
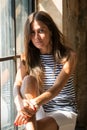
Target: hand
(25, 113)
(21, 119)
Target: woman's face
(41, 36)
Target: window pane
(21, 15)
(7, 104)
(7, 48)
(6, 29)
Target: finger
(16, 119)
(21, 120)
(25, 114)
(28, 112)
(30, 109)
(26, 121)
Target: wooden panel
(75, 28)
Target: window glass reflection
(7, 46)
(7, 104)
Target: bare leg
(30, 90)
(47, 123)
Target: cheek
(48, 38)
(45, 36)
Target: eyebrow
(39, 28)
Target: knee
(29, 86)
(29, 79)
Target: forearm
(48, 95)
(17, 96)
(60, 82)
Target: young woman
(44, 81)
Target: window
(13, 14)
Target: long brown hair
(32, 54)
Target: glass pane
(7, 104)
(21, 15)
(6, 29)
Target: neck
(46, 50)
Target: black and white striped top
(65, 100)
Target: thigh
(47, 123)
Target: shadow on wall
(75, 28)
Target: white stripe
(67, 95)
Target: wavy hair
(32, 54)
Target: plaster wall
(54, 8)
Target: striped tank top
(65, 100)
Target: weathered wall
(75, 28)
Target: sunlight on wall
(58, 4)
(54, 8)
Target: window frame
(15, 57)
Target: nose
(36, 35)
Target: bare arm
(17, 85)
(60, 82)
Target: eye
(32, 33)
(41, 31)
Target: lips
(38, 42)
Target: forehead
(37, 24)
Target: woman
(44, 80)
